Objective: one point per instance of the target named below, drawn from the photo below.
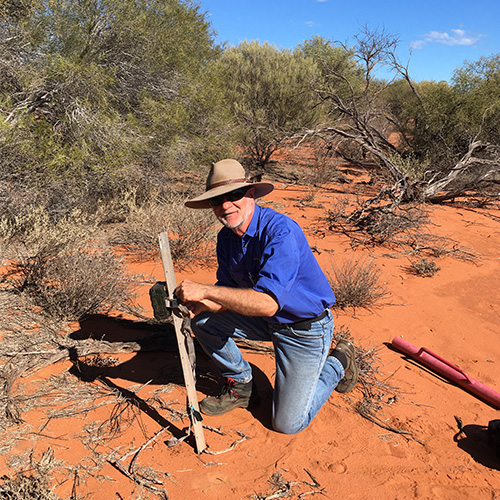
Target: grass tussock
(191, 232)
(31, 482)
(356, 284)
(423, 267)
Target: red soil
(455, 313)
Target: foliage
(478, 87)
(433, 140)
(334, 59)
(439, 120)
(92, 91)
(358, 125)
(269, 94)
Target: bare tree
(362, 119)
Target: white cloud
(309, 23)
(455, 37)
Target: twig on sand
(372, 418)
(283, 488)
(132, 474)
(244, 437)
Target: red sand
(455, 313)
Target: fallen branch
(23, 363)
(244, 437)
(133, 477)
(132, 474)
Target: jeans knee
(285, 427)
(199, 321)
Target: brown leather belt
(305, 324)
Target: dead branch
(133, 477)
(23, 363)
(481, 163)
(244, 437)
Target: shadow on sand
(156, 361)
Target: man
(269, 287)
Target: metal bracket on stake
(189, 378)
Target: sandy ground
(455, 314)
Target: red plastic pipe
(448, 370)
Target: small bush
(32, 483)
(424, 267)
(26, 487)
(60, 267)
(409, 165)
(191, 231)
(355, 284)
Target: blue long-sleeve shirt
(274, 257)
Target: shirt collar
(252, 228)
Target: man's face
(236, 215)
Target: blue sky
(436, 36)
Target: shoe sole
(350, 379)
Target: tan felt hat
(226, 176)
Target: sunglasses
(235, 195)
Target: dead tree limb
(480, 164)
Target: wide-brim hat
(226, 176)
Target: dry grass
(192, 231)
(423, 267)
(356, 284)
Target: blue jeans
(305, 374)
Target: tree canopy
(96, 94)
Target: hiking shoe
(351, 370)
(233, 395)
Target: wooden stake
(189, 378)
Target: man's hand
(191, 295)
(190, 291)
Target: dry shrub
(37, 234)
(59, 266)
(378, 222)
(423, 267)
(82, 282)
(31, 482)
(385, 225)
(191, 231)
(355, 284)
(372, 393)
(338, 211)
